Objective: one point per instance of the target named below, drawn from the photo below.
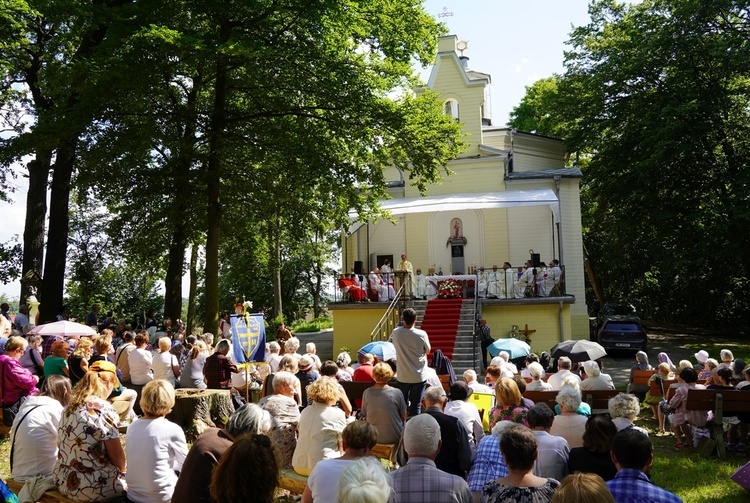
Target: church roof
(545, 174)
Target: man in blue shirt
(632, 454)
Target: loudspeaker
(358, 267)
(536, 259)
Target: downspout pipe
(562, 325)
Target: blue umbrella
(516, 348)
(382, 349)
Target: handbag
(664, 404)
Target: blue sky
(516, 42)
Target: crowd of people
(76, 396)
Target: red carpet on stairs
(440, 321)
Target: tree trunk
(57, 237)
(598, 292)
(196, 409)
(215, 155)
(173, 278)
(193, 288)
(36, 216)
(278, 306)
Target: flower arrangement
(247, 305)
(450, 289)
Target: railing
(390, 318)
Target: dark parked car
(623, 333)
(614, 309)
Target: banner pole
(247, 381)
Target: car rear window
(619, 310)
(621, 326)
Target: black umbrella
(578, 351)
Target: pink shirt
(17, 381)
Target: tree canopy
(656, 97)
(210, 123)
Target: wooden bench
(292, 481)
(51, 496)
(547, 397)
(445, 381)
(354, 391)
(718, 401)
(598, 399)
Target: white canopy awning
(470, 201)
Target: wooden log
(197, 409)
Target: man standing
(22, 318)
(282, 335)
(632, 455)
(408, 280)
(420, 480)
(412, 346)
(563, 371)
(455, 454)
(485, 339)
(218, 368)
(91, 319)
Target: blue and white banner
(248, 337)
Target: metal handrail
(387, 322)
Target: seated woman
(488, 463)
(156, 444)
(569, 424)
(653, 400)
(320, 427)
(509, 405)
(17, 382)
(624, 408)
(358, 438)
(593, 456)
(192, 374)
(78, 362)
(247, 472)
(330, 369)
(208, 449)
(682, 418)
(383, 406)
(140, 360)
(641, 359)
(536, 372)
(519, 447)
(708, 368)
(165, 364)
(57, 362)
(594, 378)
(285, 416)
(345, 372)
(583, 488)
(91, 461)
(34, 431)
(364, 481)
(32, 358)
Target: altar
(468, 282)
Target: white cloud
(519, 67)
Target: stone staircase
(462, 354)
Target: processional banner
(248, 337)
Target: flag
(248, 337)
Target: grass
(315, 325)
(693, 478)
